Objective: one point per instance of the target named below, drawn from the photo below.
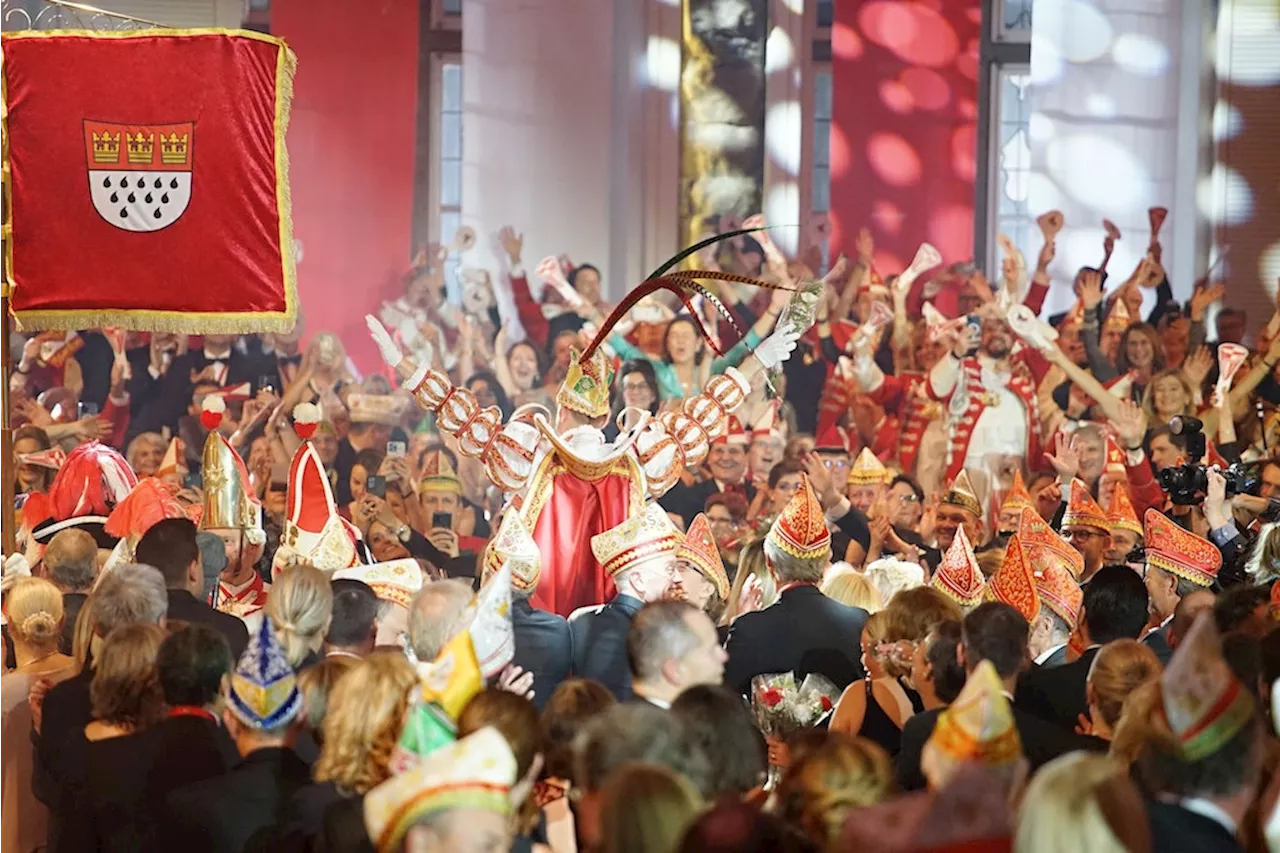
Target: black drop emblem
(115, 197)
(148, 199)
(164, 199)
(124, 213)
(173, 185)
(106, 182)
(124, 182)
(156, 213)
(157, 183)
(132, 198)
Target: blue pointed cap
(263, 691)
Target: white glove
(390, 352)
(15, 567)
(777, 348)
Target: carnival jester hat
(1204, 702)
(958, 576)
(977, 728)
(1018, 497)
(394, 581)
(960, 493)
(868, 470)
(1038, 537)
(1083, 510)
(263, 691)
(700, 551)
(1014, 583)
(1179, 551)
(1120, 512)
(801, 528)
(646, 535)
(1054, 572)
(588, 383)
(514, 547)
(475, 773)
(313, 531)
(92, 480)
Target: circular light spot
(964, 152)
(783, 205)
(662, 63)
(782, 134)
(1100, 105)
(1100, 173)
(1078, 31)
(1224, 197)
(845, 43)
(1249, 42)
(967, 108)
(928, 88)
(915, 33)
(951, 230)
(887, 216)
(1040, 127)
(896, 96)
(894, 160)
(967, 65)
(1140, 54)
(1046, 61)
(1269, 268)
(778, 53)
(1227, 121)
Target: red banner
(149, 182)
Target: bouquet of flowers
(782, 708)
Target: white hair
(789, 568)
(890, 576)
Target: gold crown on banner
(106, 148)
(173, 148)
(141, 147)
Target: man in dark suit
(727, 464)
(353, 628)
(639, 555)
(221, 814)
(671, 647)
(71, 562)
(803, 631)
(218, 363)
(544, 646)
(1115, 608)
(128, 595)
(997, 633)
(170, 545)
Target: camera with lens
(1187, 483)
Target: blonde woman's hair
(750, 562)
(851, 587)
(1119, 668)
(85, 630)
(1139, 724)
(914, 612)
(365, 715)
(1264, 558)
(300, 607)
(1077, 802)
(892, 653)
(34, 610)
(824, 784)
(1149, 395)
(126, 686)
(316, 684)
(646, 808)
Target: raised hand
(820, 479)
(1090, 289)
(865, 245)
(512, 243)
(1131, 425)
(1203, 297)
(1066, 457)
(1196, 366)
(515, 680)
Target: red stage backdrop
(351, 150)
(903, 138)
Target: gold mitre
(229, 499)
(585, 389)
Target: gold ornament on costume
(585, 389)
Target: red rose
(826, 704)
(771, 697)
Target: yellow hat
(439, 475)
(514, 547)
(868, 470)
(960, 493)
(700, 550)
(1018, 498)
(976, 728)
(396, 581)
(586, 387)
(645, 536)
(475, 773)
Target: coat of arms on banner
(139, 175)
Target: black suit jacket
(71, 604)
(1158, 640)
(126, 778)
(170, 398)
(544, 646)
(688, 501)
(66, 711)
(1177, 830)
(185, 607)
(802, 632)
(1058, 658)
(1041, 743)
(599, 638)
(221, 814)
(1057, 693)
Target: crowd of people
(769, 558)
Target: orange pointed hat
(313, 531)
(1120, 512)
(1057, 588)
(801, 528)
(1037, 536)
(699, 549)
(1083, 510)
(1018, 497)
(960, 493)
(1179, 551)
(958, 576)
(1015, 583)
(1116, 462)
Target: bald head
(437, 615)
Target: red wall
(903, 142)
(351, 151)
